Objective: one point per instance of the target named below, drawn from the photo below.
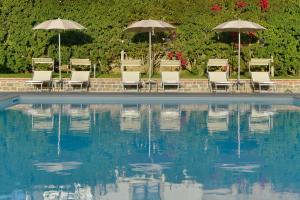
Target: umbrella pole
(239, 61)
(59, 57)
(150, 56)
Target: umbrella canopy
(239, 26)
(150, 26)
(59, 24)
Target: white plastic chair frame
(49, 61)
(261, 79)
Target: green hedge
(105, 21)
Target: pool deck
(91, 98)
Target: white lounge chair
(41, 78)
(170, 79)
(217, 80)
(79, 78)
(260, 80)
(131, 78)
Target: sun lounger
(170, 79)
(261, 80)
(131, 78)
(219, 80)
(79, 78)
(40, 78)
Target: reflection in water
(261, 119)
(130, 118)
(79, 116)
(170, 118)
(42, 117)
(57, 167)
(218, 118)
(90, 152)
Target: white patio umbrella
(239, 26)
(150, 26)
(59, 24)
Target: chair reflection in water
(79, 117)
(261, 118)
(130, 117)
(217, 118)
(170, 117)
(42, 118)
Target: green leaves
(106, 20)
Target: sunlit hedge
(106, 19)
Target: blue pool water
(150, 152)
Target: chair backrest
(168, 65)
(170, 76)
(266, 62)
(42, 76)
(217, 76)
(260, 77)
(130, 76)
(80, 62)
(217, 63)
(49, 61)
(83, 76)
(131, 64)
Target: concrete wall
(114, 85)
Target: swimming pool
(164, 148)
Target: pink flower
(241, 4)
(216, 8)
(264, 5)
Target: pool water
(150, 152)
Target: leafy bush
(106, 20)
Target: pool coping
(144, 98)
(8, 95)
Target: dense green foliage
(106, 20)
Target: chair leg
(259, 87)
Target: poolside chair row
(133, 78)
(217, 80)
(44, 78)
